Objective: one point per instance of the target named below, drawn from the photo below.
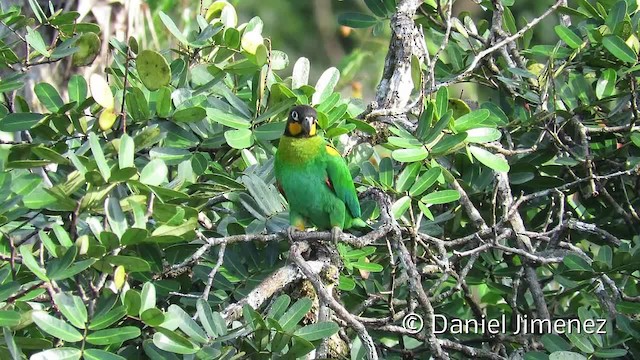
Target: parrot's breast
(302, 176)
(299, 150)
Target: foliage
(140, 218)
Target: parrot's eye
(294, 115)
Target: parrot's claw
(335, 234)
(290, 231)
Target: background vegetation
(494, 146)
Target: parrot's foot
(290, 231)
(335, 234)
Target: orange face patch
(294, 128)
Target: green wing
(340, 181)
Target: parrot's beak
(309, 125)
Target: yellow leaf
(107, 119)
(119, 276)
(101, 91)
(250, 41)
(83, 244)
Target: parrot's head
(302, 122)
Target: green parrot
(314, 178)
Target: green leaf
(98, 155)
(113, 336)
(49, 154)
(30, 262)
(449, 143)
(115, 216)
(48, 96)
(407, 177)
(187, 324)
(474, 119)
(404, 142)
(356, 20)
(605, 255)
(618, 48)
(77, 89)
(170, 341)
(377, 7)
(317, 331)
(147, 297)
(37, 11)
(424, 123)
(325, 85)
(367, 266)
(553, 343)
(173, 29)
(126, 152)
(35, 40)
(442, 101)
(130, 263)
(269, 131)
(61, 353)
(163, 102)
(56, 327)
(97, 354)
(580, 341)
(9, 318)
(568, 36)
(72, 308)
(400, 207)
(300, 75)
(386, 172)
(635, 138)
(616, 15)
(483, 135)
(441, 197)
(296, 312)
(191, 114)
(410, 155)
(179, 230)
(606, 85)
(56, 267)
(153, 317)
(153, 69)
(299, 347)
(75, 268)
(206, 317)
(154, 353)
(24, 185)
(134, 236)
(239, 139)
(137, 104)
(107, 319)
(279, 306)
(610, 353)
(11, 345)
(425, 181)
(154, 173)
(62, 235)
(227, 119)
(490, 160)
(576, 262)
(433, 133)
(19, 121)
